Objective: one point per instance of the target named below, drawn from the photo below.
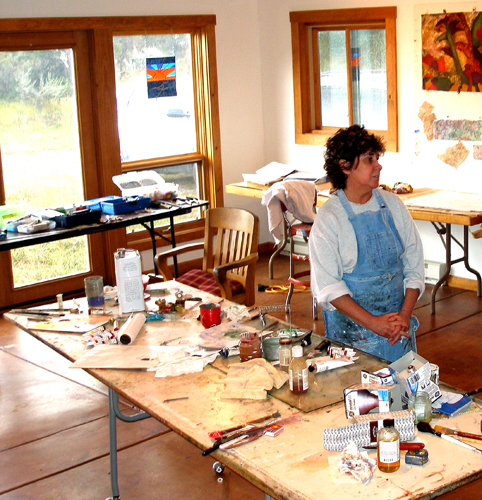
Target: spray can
(128, 274)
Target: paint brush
(425, 427)
(224, 432)
(453, 432)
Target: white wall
(278, 108)
(253, 41)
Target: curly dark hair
(348, 144)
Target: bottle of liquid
(420, 405)
(250, 346)
(388, 447)
(298, 371)
(285, 344)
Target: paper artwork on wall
(455, 155)
(457, 130)
(161, 77)
(452, 52)
(477, 152)
(425, 114)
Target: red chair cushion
(197, 278)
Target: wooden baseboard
(464, 283)
(267, 247)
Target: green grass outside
(41, 168)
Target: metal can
(128, 273)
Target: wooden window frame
(308, 129)
(101, 31)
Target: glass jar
(298, 371)
(420, 405)
(285, 344)
(250, 346)
(388, 447)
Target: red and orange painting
(452, 52)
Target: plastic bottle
(388, 447)
(285, 344)
(298, 371)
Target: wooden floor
(54, 429)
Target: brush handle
(460, 443)
(454, 432)
(478, 437)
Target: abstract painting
(161, 77)
(452, 52)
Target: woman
(366, 253)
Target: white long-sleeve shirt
(333, 247)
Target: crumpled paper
(352, 462)
(252, 379)
(176, 360)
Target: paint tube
(326, 363)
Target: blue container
(118, 205)
(95, 204)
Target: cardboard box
(413, 372)
(362, 399)
(381, 377)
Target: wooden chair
(230, 255)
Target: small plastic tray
(79, 218)
(95, 204)
(119, 205)
(45, 225)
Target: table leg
(114, 412)
(152, 233)
(173, 244)
(448, 259)
(466, 260)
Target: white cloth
(333, 247)
(299, 198)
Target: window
(344, 73)
(82, 82)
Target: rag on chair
(297, 196)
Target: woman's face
(365, 174)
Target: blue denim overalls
(376, 282)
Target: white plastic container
(146, 183)
(128, 274)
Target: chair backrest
(231, 234)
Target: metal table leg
(447, 230)
(114, 412)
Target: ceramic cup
(94, 291)
(210, 315)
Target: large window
(344, 72)
(78, 109)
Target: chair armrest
(220, 271)
(161, 259)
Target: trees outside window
(76, 112)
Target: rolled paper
(131, 328)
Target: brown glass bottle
(298, 371)
(250, 346)
(388, 447)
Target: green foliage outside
(40, 152)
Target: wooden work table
(441, 218)
(293, 465)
